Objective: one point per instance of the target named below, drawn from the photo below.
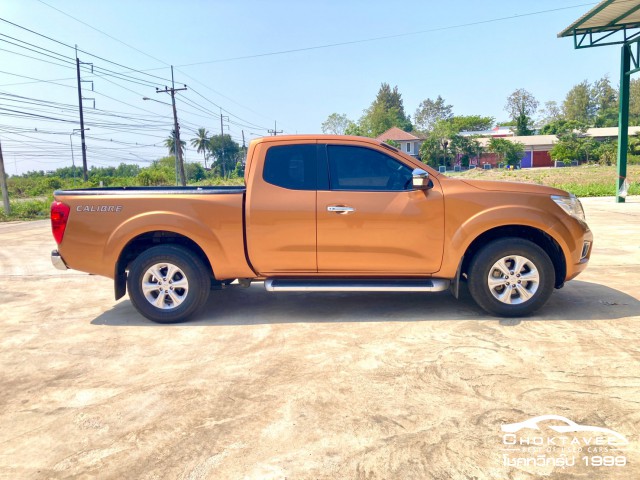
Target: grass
(30, 209)
(583, 181)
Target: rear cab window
(291, 166)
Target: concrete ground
(319, 386)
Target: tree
(562, 126)
(170, 143)
(194, 172)
(201, 143)
(225, 151)
(470, 123)
(378, 119)
(354, 129)
(160, 172)
(390, 99)
(521, 106)
(578, 104)
(509, 152)
(434, 150)
(634, 101)
(336, 124)
(464, 147)
(607, 152)
(573, 145)
(550, 113)
(605, 101)
(429, 112)
(567, 148)
(634, 144)
(443, 143)
(386, 111)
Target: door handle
(340, 209)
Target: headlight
(571, 205)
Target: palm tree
(201, 143)
(170, 143)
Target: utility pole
(82, 129)
(222, 119)
(3, 185)
(275, 130)
(176, 128)
(244, 151)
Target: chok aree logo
(555, 441)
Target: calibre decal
(99, 208)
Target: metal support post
(623, 119)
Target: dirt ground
(319, 386)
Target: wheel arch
(535, 235)
(143, 242)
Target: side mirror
(420, 179)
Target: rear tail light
(59, 217)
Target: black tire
(530, 277)
(180, 292)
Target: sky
(284, 65)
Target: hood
(515, 187)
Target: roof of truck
(317, 136)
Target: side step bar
(355, 285)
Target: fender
(221, 260)
(502, 216)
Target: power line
(104, 33)
(128, 69)
(46, 111)
(253, 125)
(23, 55)
(384, 37)
(35, 46)
(80, 50)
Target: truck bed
(103, 222)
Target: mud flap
(120, 284)
(454, 287)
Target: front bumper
(57, 260)
(581, 256)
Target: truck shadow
(254, 306)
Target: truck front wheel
(511, 277)
(168, 284)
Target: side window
(291, 166)
(358, 168)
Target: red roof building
(409, 143)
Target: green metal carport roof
(613, 22)
(607, 16)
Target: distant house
(409, 143)
(537, 147)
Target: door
(281, 210)
(372, 222)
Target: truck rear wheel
(511, 277)
(168, 284)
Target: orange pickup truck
(325, 213)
